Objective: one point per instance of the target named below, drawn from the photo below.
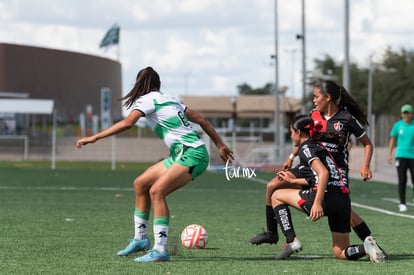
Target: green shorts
(196, 159)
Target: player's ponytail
(147, 80)
(348, 102)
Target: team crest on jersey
(338, 126)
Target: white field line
(382, 210)
(65, 188)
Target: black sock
(284, 219)
(271, 221)
(355, 252)
(362, 231)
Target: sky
(209, 47)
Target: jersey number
(183, 118)
(332, 168)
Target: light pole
(369, 107)
(292, 77)
(345, 75)
(276, 88)
(302, 37)
(233, 125)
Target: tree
(245, 89)
(393, 84)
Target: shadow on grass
(400, 257)
(247, 259)
(297, 257)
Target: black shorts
(336, 206)
(295, 171)
(307, 174)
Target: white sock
(141, 228)
(161, 238)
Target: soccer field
(74, 219)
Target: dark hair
(147, 80)
(342, 99)
(306, 125)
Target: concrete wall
(72, 79)
(126, 150)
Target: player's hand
(283, 176)
(85, 140)
(316, 212)
(366, 174)
(225, 153)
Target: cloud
(210, 46)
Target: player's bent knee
(156, 194)
(272, 186)
(139, 186)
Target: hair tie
(314, 127)
(317, 126)
(310, 127)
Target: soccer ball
(194, 236)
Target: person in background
(327, 195)
(402, 137)
(188, 159)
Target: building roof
(13, 95)
(251, 106)
(211, 106)
(26, 106)
(264, 105)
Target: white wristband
(291, 156)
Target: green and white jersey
(166, 117)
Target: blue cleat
(153, 256)
(134, 246)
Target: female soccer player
(327, 195)
(335, 111)
(170, 120)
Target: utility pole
(276, 89)
(303, 38)
(345, 70)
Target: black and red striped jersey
(310, 150)
(344, 123)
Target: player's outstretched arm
(224, 151)
(116, 128)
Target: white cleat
(375, 253)
(289, 249)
